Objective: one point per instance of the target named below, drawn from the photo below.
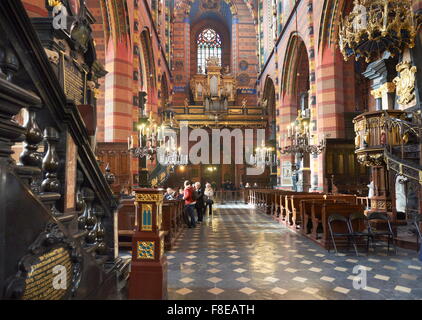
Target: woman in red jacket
(190, 201)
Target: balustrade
(56, 193)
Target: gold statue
(244, 102)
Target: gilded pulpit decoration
(375, 26)
(149, 197)
(405, 83)
(375, 130)
(53, 3)
(52, 55)
(388, 87)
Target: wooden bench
(294, 215)
(125, 222)
(292, 207)
(172, 221)
(327, 209)
(309, 223)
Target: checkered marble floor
(239, 253)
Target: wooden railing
(56, 197)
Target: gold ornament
(405, 138)
(375, 26)
(405, 83)
(53, 3)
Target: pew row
(305, 212)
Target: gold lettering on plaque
(74, 81)
(39, 281)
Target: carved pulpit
(148, 278)
(216, 89)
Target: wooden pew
(293, 207)
(172, 221)
(125, 222)
(282, 211)
(336, 208)
(307, 217)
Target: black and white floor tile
(238, 253)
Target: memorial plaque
(39, 282)
(50, 271)
(74, 81)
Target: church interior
(210, 149)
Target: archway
(295, 98)
(268, 102)
(206, 22)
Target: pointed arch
(297, 57)
(147, 54)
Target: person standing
(209, 197)
(190, 202)
(170, 194)
(200, 204)
(180, 194)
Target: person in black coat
(200, 201)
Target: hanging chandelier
(298, 133)
(149, 138)
(154, 139)
(264, 156)
(170, 155)
(376, 26)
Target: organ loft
(210, 150)
(216, 88)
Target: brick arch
(164, 91)
(147, 54)
(183, 7)
(333, 11)
(296, 50)
(269, 95)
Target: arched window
(209, 45)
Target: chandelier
(170, 155)
(375, 26)
(298, 133)
(264, 156)
(149, 138)
(154, 139)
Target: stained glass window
(209, 45)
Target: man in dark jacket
(200, 202)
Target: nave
(239, 253)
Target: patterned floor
(241, 254)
